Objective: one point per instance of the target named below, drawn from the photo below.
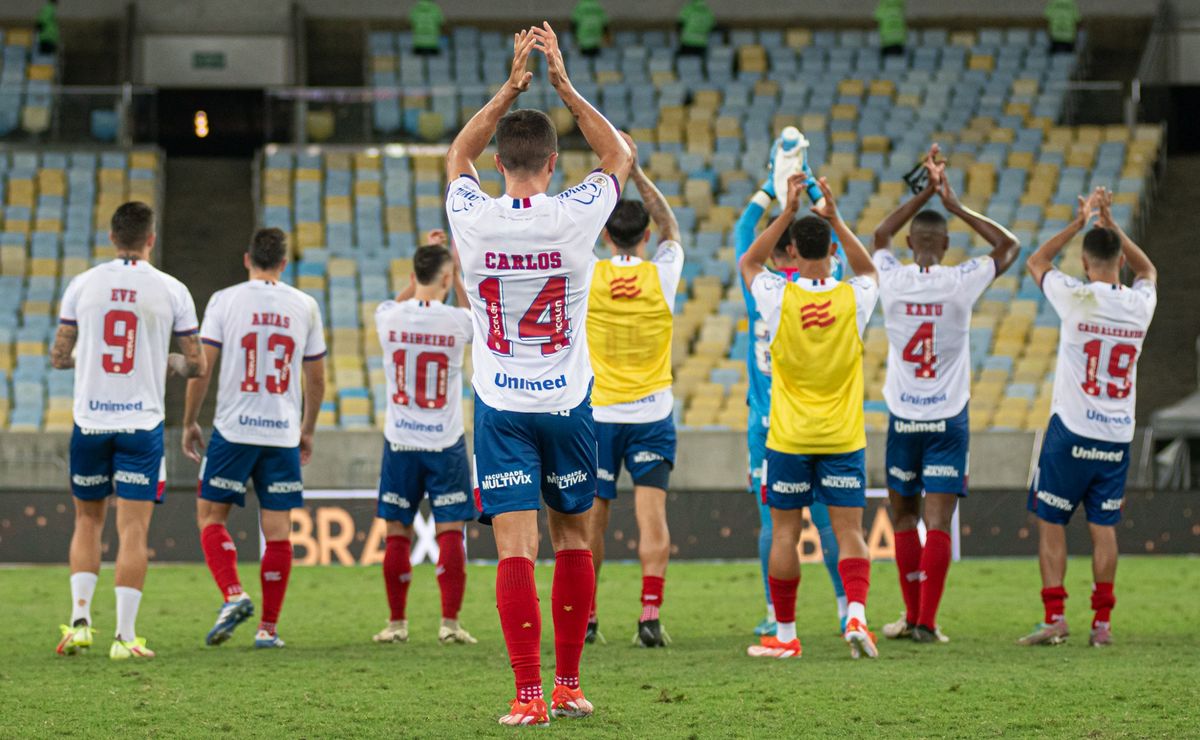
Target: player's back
(527, 264)
(1095, 377)
(126, 312)
(265, 331)
(423, 344)
(927, 314)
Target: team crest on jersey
(816, 314)
(624, 287)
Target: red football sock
(1052, 599)
(1103, 602)
(783, 596)
(856, 580)
(397, 573)
(935, 563)
(521, 622)
(652, 596)
(574, 584)
(908, 563)
(451, 572)
(221, 555)
(275, 569)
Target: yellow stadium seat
(143, 160)
(797, 38)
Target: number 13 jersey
(423, 344)
(927, 312)
(126, 311)
(264, 330)
(527, 263)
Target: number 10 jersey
(527, 263)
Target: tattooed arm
(656, 205)
(64, 344)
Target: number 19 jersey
(927, 312)
(126, 311)
(527, 263)
(264, 329)
(1095, 376)
(423, 344)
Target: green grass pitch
(332, 681)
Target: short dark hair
(811, 235)
(525, 139)
(429, 261)
(930, 220)
(1102, 244)
(132, 224)
(628, 223)
(268, 249)
(785, 240)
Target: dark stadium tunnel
(206, 122)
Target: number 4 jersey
(528, 268)
(423, 344)
(264, 330)
(927, 312)
(1103, 327)
(126, 312)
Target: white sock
(83, 587)
(855, 610)
(128, 600)
(841, 602)
(785, 631)
(770, 612)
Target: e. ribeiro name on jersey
(1095, 375)
(264, 331)
(527, 263)
(125, 311)
(423, 344)
(927, 313)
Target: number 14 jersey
(264, 330)
(927, 312)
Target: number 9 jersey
(263, 329)
(527, 263)
(126, 311)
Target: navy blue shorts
(406, 475)
(521, 458)
(648, 450)
(795, 481)
(130, 462)
(929, 456)
(274, 470)
(1074, 470)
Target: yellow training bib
(629, 330)
(816, 374)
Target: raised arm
(1139, 263)
(197, 389)
(896, 220)
(656, 205)
(1042, 260)
(314, 394)
(754, 261)
(856, 254)
(743, 230)
(474, 137)
(604, 139)
(1005, 245)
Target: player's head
(526, 145)
(628, 227)
(928, 238)
(812, 238)
(784, 255)
(1102, 253)
(132, 228)
(267, 252)
(433, 267)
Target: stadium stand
(57, 205)
(992, 99)
(26, 81)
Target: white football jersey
(423, 344)
(265, 330)
(126, 311)
(1095, 376)
(927, 312)
(528, 264)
